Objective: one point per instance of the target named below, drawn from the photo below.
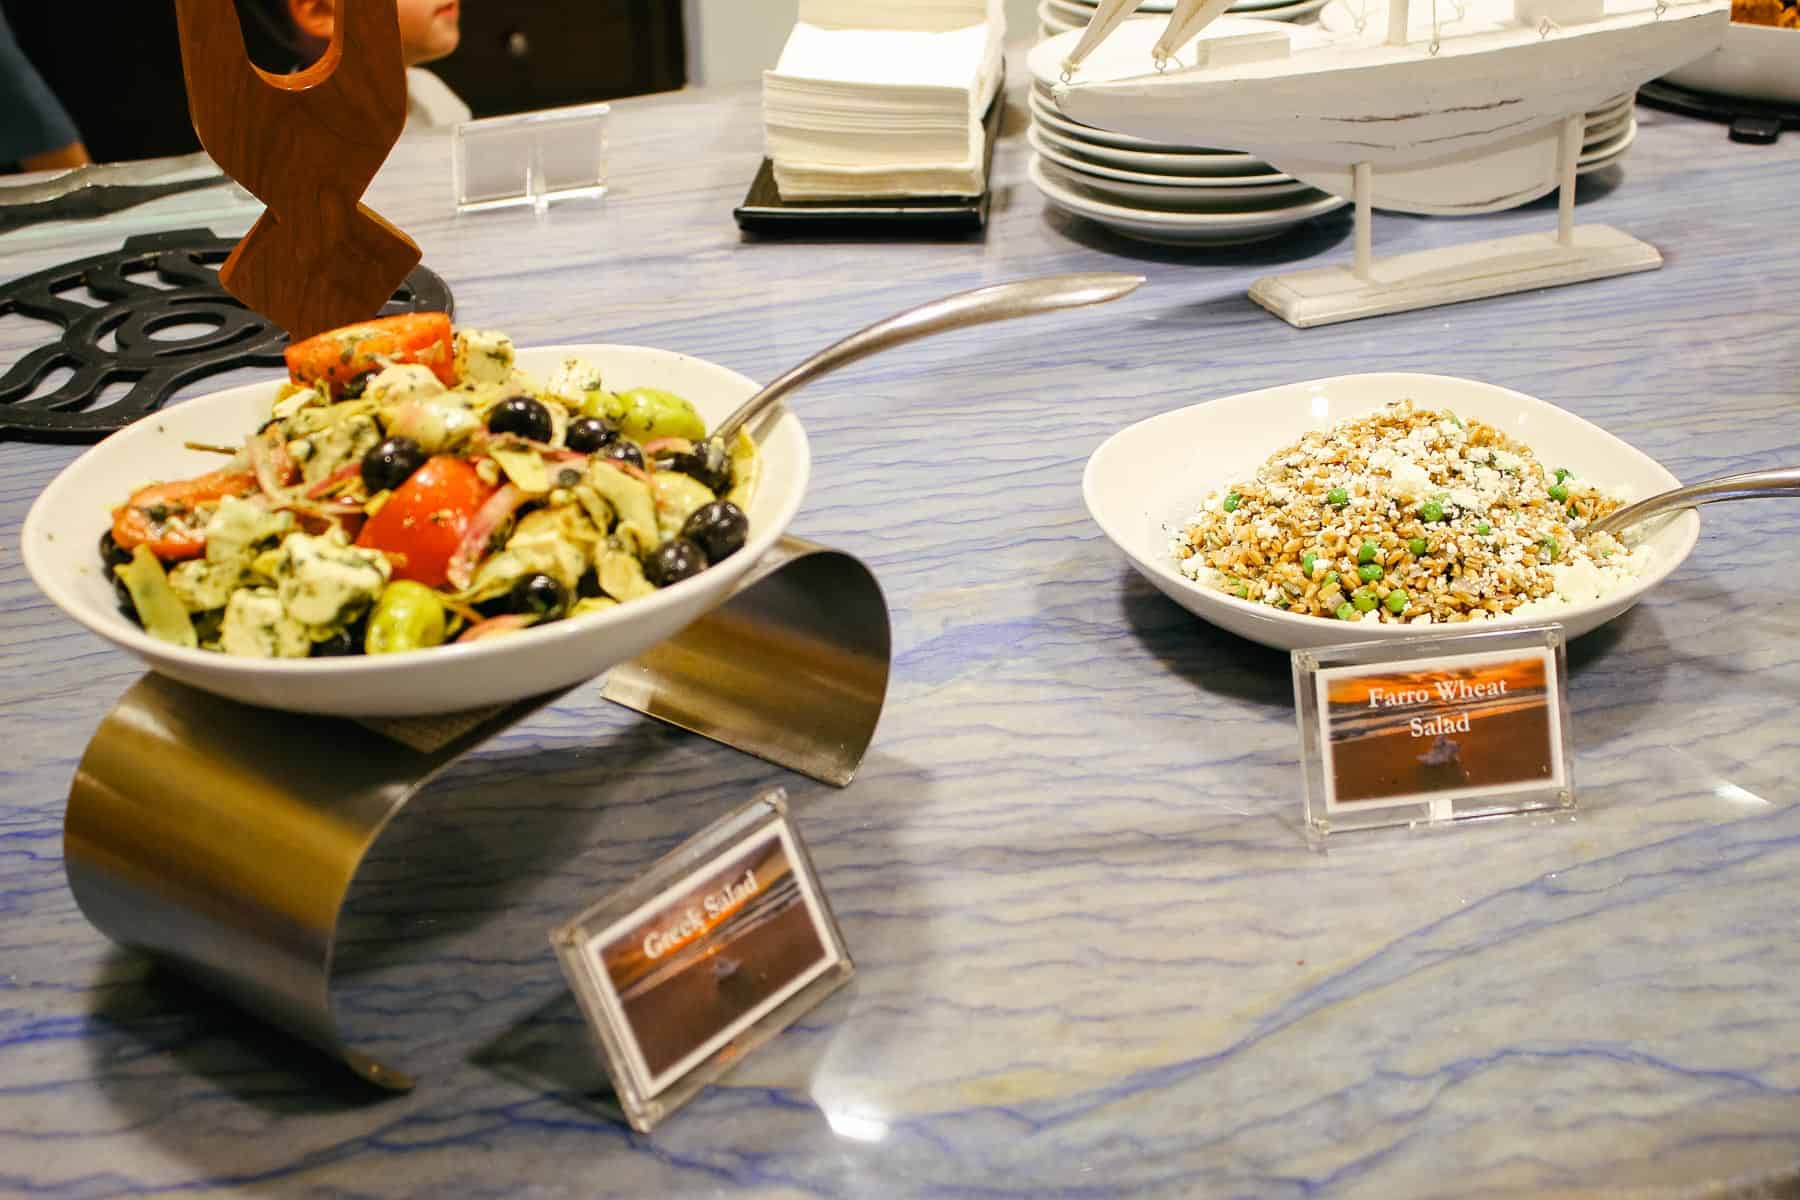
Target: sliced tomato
(161, 516)
(422, 523)
(341, 355)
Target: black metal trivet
(115, 342)
(1757, 122)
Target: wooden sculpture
(306, 145)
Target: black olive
(391, 464)
(539, 596)
(588, 434)
(718, 528)
(588, 586)
(353, 390)
(673, 561)
(345, 641)
(520, 415)
(625, 450)
(113, 555)
(707, 462)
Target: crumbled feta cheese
(483, 356)
(255, 627)
(403, 382)
(323, 582)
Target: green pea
(1431, 511)
(1232, 501)
(1308, 561)
(1346, 611)
(1366, 552)
(1369, 572)
(1573, 512)
(1240, 589)
(1417, 546)
(1396, 601)
(1563, 473)
(1364, 599)
(1329, 582)
(408, 616)
(1337, 497)
(1483, 529)
(1551, 548)
(1558, 492)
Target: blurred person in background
(429, 30)
(36, 133)
(119, 78)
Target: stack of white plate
(1155, 191)
(1060, 16)
(1611, 129)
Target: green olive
(408, 616)
(650, 413)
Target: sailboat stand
(1371, 287)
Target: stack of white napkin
(865, 111)
(931, 16)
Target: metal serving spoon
(1000, 302)
(1783, 481)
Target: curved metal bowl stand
(225, 839)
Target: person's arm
(35, 130)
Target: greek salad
(412, 487)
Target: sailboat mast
(1399, 14)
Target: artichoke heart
(559, 542)
(630, 498)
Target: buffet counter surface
(1095, 953)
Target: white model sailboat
(1462, 123)
(1454, 122)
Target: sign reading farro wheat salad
(1466, 725)
(1412, 731)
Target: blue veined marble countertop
(1096, 956)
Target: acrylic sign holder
(225, 839)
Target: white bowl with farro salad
(1382, 506)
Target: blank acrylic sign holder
(531, 158)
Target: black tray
(148, 365)
(1757, 122)
(765, 212)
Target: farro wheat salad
(1408, 515)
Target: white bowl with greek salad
(1382, 507)
(421, 530)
